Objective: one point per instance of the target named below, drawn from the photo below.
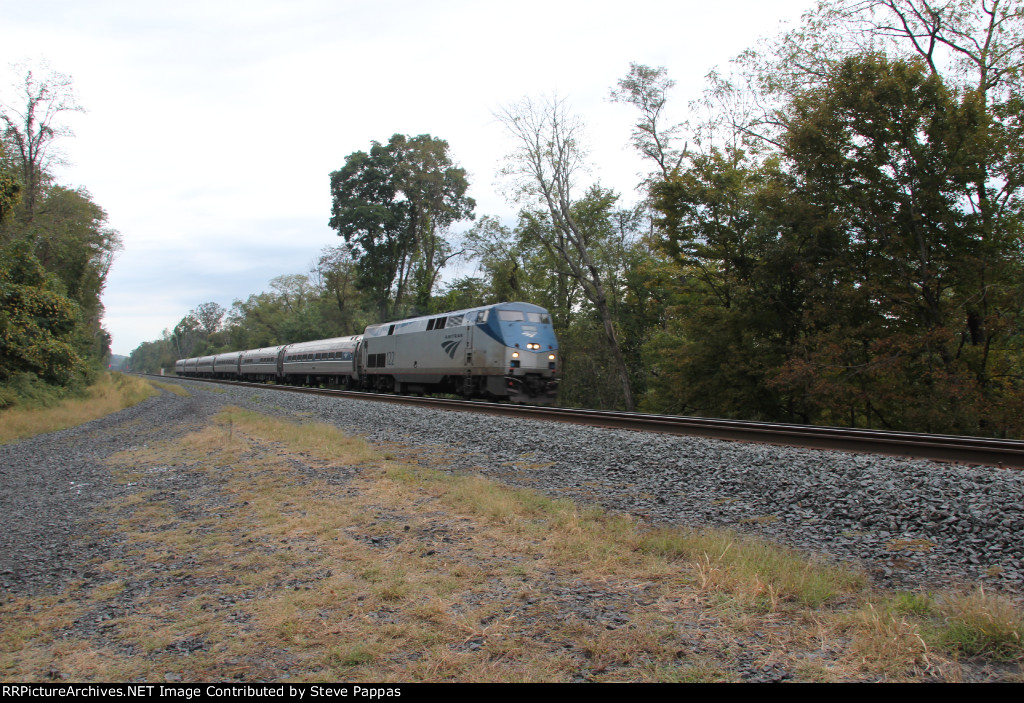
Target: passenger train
(506, 351)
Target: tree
(392, 207)
(337, 271)
(499, 252)
(31, 126)
(10, 189)
(846, 227)
(548, 158)
(893, 154)
(735, 234)
(647, 89)
(37, 322)
(839, 280)
(209, 317)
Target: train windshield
(520, 316)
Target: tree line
(56, 249)
(834, 236)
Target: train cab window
(511, 316)
(471, 318)
(481, 317)
(541, 317)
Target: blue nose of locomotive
(523, 326)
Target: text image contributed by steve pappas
(365, 692)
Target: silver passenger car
(331, 361)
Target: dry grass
(258, 549)
(111, 392)
(756, 573)
(171, 387)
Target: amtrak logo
(528, 331)
(450, 346)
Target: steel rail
(1003, 453)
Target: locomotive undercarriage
(530, 389)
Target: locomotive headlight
(533, 345)
(551, 357)
(515, 355)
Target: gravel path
(50, 485)
(910, 523)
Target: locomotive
(505, 351)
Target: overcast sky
(212, 126)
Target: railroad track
(1002, 453)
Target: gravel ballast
(916, 524)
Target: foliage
(392, 206)
(57, 246)
(647, 89)
(10, 191)
(37, 322)
(30, 126)
(846, 240)
(544, 167)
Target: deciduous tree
(30, 114)
(37, 322)
(393, 206)
(544, 167)
(647, 89)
